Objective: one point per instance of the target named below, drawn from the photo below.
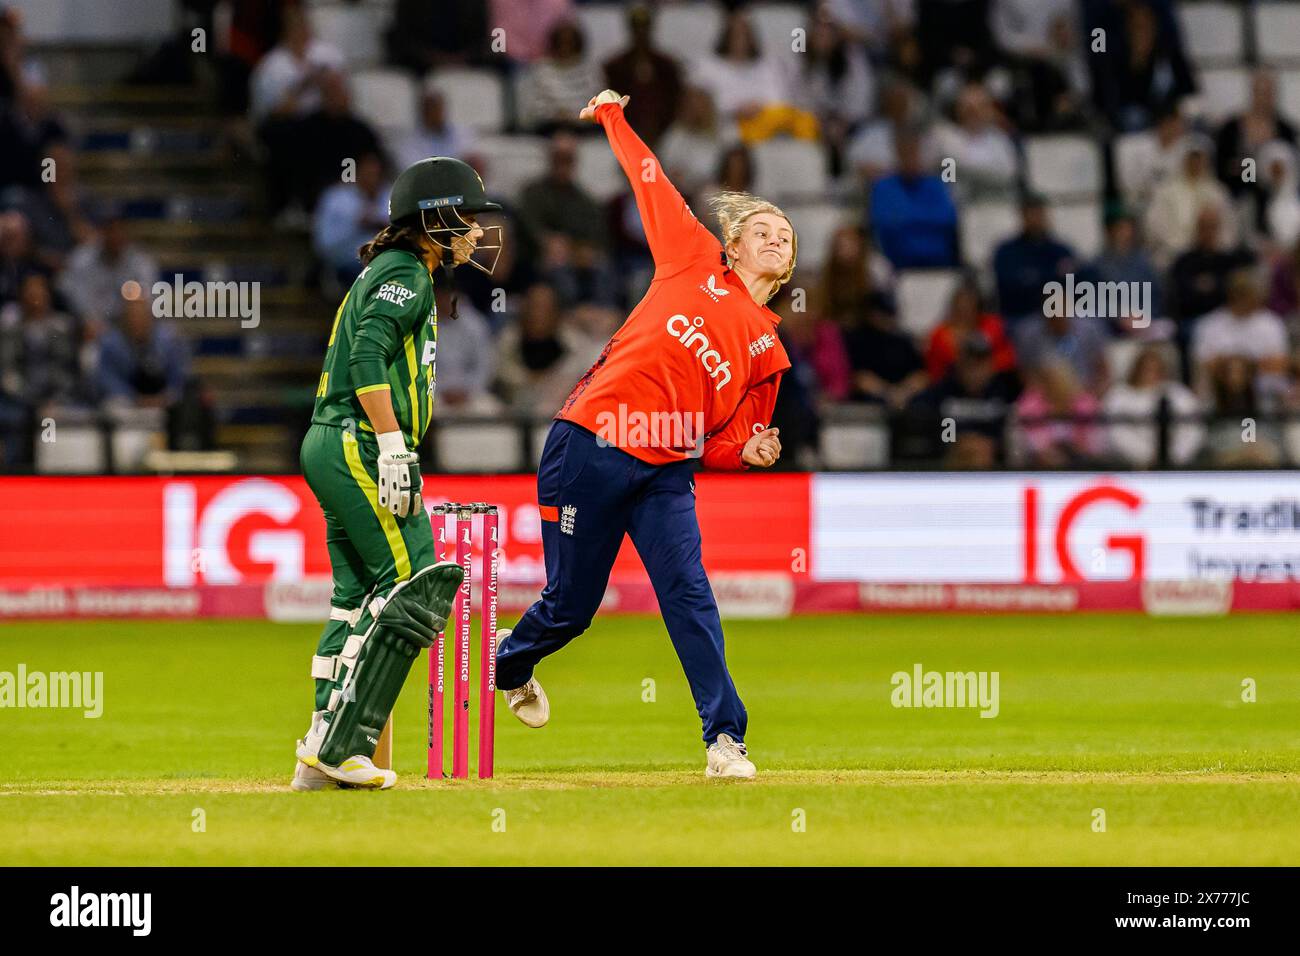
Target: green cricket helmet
(441, 191)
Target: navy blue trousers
(597, 493)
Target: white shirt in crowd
(280, 71)
(1261, 334)
(1136, 443)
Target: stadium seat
(512, 162)
(922, 296)
(604, 26)
(354, 30)
(775, 25)
(1063, 166)
(816, 224)
(1212, 32)
(1223, 92)
(1128, 150)
(475, 98)
(983, 226)
(1288, 94)
(688, 30)
(539, 432)
(598, 170)
(854, 438)
(1079, 226)
(1277, 33)
(467, 447)
(386, 98)
(79, 449)
(789, 169)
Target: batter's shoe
(356, 771)
(728, 758)
(306, 779)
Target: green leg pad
(408, 621)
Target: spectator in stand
(428, 34)
(853, 272)
(349, 215)
(1156, 157)
(1240, 435)
(1123, 259)
(1243, 328)
(541, 355)
(1279, 196)
(690, 148)
(735, 173)
(987, 163)
(329, 137)
(464, 385)
(527, 26)
(569, 226)
(1058, 419)
(286, 82)
(1243, 137)
(17, 254)
(39, 365)
(97, 270)
(963, 317)
(887, 368)
(913, 216)
(836, 84)
(1143, 70)
(1040, 41)
(872, 152)
(1079, 340)
(872, 23)
(435, 135)
(1130, 408)
(549, 87)
(955, 44)
(754, 90)
(1025, 263)
(285, 88)
(1284, 285)
(1171, 217)
(29, 128)
(649, 76)
(818, 342)
(1198, 280)
(141, 362)
(977, 398)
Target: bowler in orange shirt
(691, 375)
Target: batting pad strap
(325, 668)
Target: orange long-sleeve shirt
(697, 358)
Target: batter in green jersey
(373, 405)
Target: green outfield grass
(1142, 718)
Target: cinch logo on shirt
(711, 289)
(395, 293)
(687, 331)
(761, 344)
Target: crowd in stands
(919, 112)
(70, 339)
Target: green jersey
(384, 337)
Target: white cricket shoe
(307, 778)
(529, 704)
(727, 758)
(355, 771)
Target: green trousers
(370, 548)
